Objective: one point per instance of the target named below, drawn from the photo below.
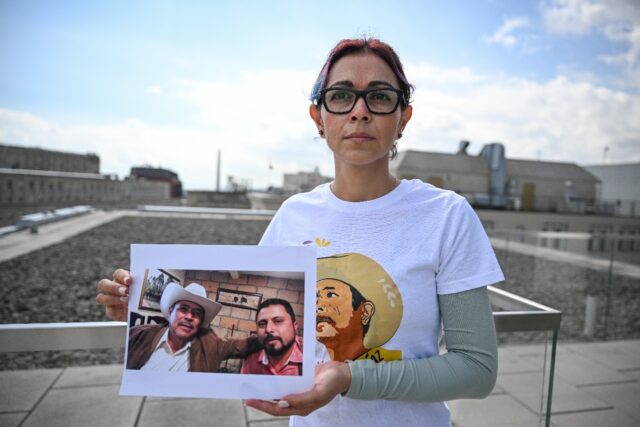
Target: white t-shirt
(399, 252)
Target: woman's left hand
(330, 379)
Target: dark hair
(363, 45)
(357, 299)
(277, 301)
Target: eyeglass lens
(382, 101)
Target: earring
(399, 135)
(321, 132)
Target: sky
(171, 83)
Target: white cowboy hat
(195, 293)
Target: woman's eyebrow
(379, 83)
(347, 83)
(373, 83)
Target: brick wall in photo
(240, 322)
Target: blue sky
(168, 83)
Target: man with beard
(282, 348)
(186, 343)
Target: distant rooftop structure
(491, 180)
(550, 170)
(620, 186)
(148, 173)
(304, 181)
(33, 180)
(15, 157)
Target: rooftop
(596, 384)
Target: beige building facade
(14, 157)
(516, 184)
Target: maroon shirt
(258, 363)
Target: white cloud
(257, 119)
(617, 20)
(254, 121)
(153, 90)
(504, 35)
(441, 75)
(563, 119)
(574, 16)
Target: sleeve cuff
(363, 380)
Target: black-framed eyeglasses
(378, 100)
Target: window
(628, 236)
(556, 227)
(599, 237)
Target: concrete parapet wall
(14, 157)
(23, 192)
(221, 199)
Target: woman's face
(359, 137)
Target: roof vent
(462, 146)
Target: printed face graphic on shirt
(359, 307)
(338, 306)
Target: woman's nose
(360, 110)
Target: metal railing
(521, 314)
(515, 314)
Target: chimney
(462, 146)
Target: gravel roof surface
(58, 283)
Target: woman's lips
(359, 137)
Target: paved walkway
(597, 384)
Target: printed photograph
(220, 321)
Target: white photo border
(224, 258)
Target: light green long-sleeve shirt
(468, 369)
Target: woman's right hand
(114, 294)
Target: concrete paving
(596, 384)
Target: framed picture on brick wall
(220, 304)
(235, 298)
(155, 280)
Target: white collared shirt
(163, 359)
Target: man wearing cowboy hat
(186, 343)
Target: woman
(396, 259)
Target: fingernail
(122, 290)
(127, 280)
(124, 299)
(283, 404)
